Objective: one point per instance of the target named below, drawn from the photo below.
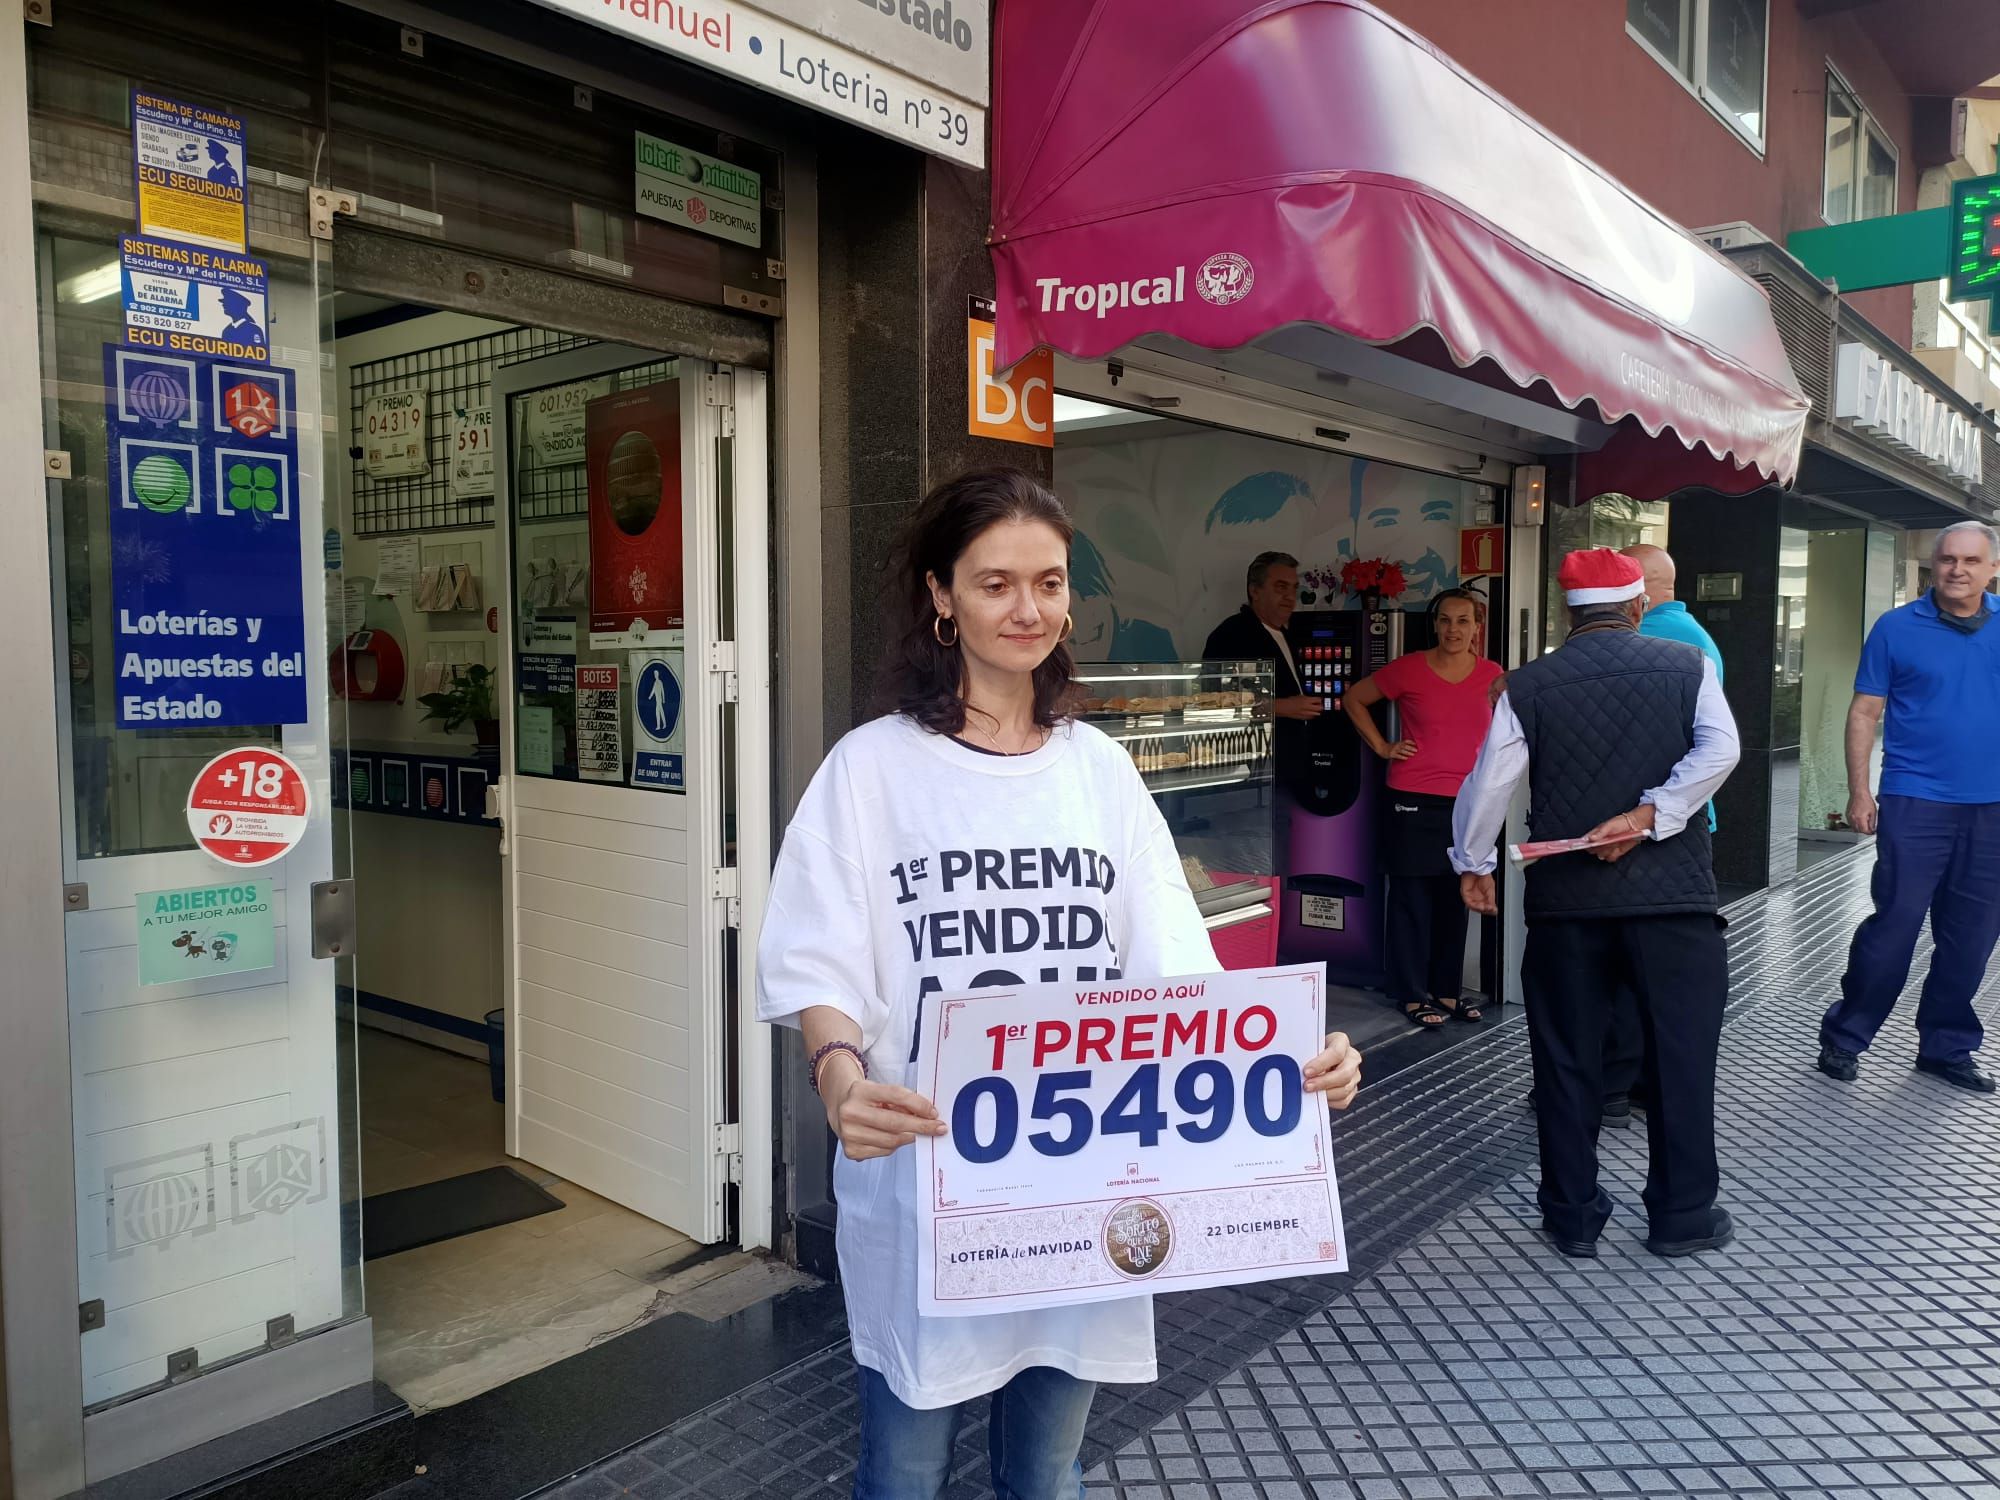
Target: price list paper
(1112, 1140)
(600, 734)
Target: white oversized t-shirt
(917, 866)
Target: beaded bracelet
(830, 1048)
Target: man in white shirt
(1624, 738)
(1256, 632)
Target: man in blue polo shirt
(1930, 675)
(1668, 618)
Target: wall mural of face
(1167, 520)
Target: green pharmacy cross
(1975, 243)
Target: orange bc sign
(1016, 408)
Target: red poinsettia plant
(1373, 575)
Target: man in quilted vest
(1623, 738)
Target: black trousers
(1677, 968)
(1624, 1045)
(1426, 939)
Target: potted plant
(468, 700)
(1372, 579)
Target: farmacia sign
(1872, 394)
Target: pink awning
(1215, 169)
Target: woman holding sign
(977, 836)
(1446, 697)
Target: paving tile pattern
(1848, 1345)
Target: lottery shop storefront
(396, 727)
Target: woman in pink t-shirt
(1446, 701)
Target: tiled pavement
(1847, 1345)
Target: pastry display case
(1203, 740)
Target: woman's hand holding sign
(1335, 1071)
(869, 1118)
(876, 1119)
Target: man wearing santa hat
(1624, 738)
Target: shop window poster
(185, 299)
(189, 167)
(208, 596)
(1168, 522)
(633, 463)
(205, 931)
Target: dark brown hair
(1260, 569)
(921, 678)
(1471, 596)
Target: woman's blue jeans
(1032, 1438)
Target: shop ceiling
(1827, 476)
(1371, 382)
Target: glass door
(614, 781)
(211, 1130)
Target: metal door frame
(744, 664)
(56, 1445)
(38, 1273)
(153, 1422)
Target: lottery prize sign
(1113, 1140)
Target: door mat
(394, 1222)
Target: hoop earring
(938, 623)
(1069, 629)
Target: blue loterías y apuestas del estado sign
(208, 600)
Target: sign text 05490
(1107, 1141)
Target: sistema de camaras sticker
(188, 160)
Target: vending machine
(1333, 886)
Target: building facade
(1750, 121)
(413, 332)
(450, 416)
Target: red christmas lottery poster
(632, 452)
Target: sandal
(1425, 1015)
(1467, 1011)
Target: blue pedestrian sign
(659, 739)
(659, 700)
